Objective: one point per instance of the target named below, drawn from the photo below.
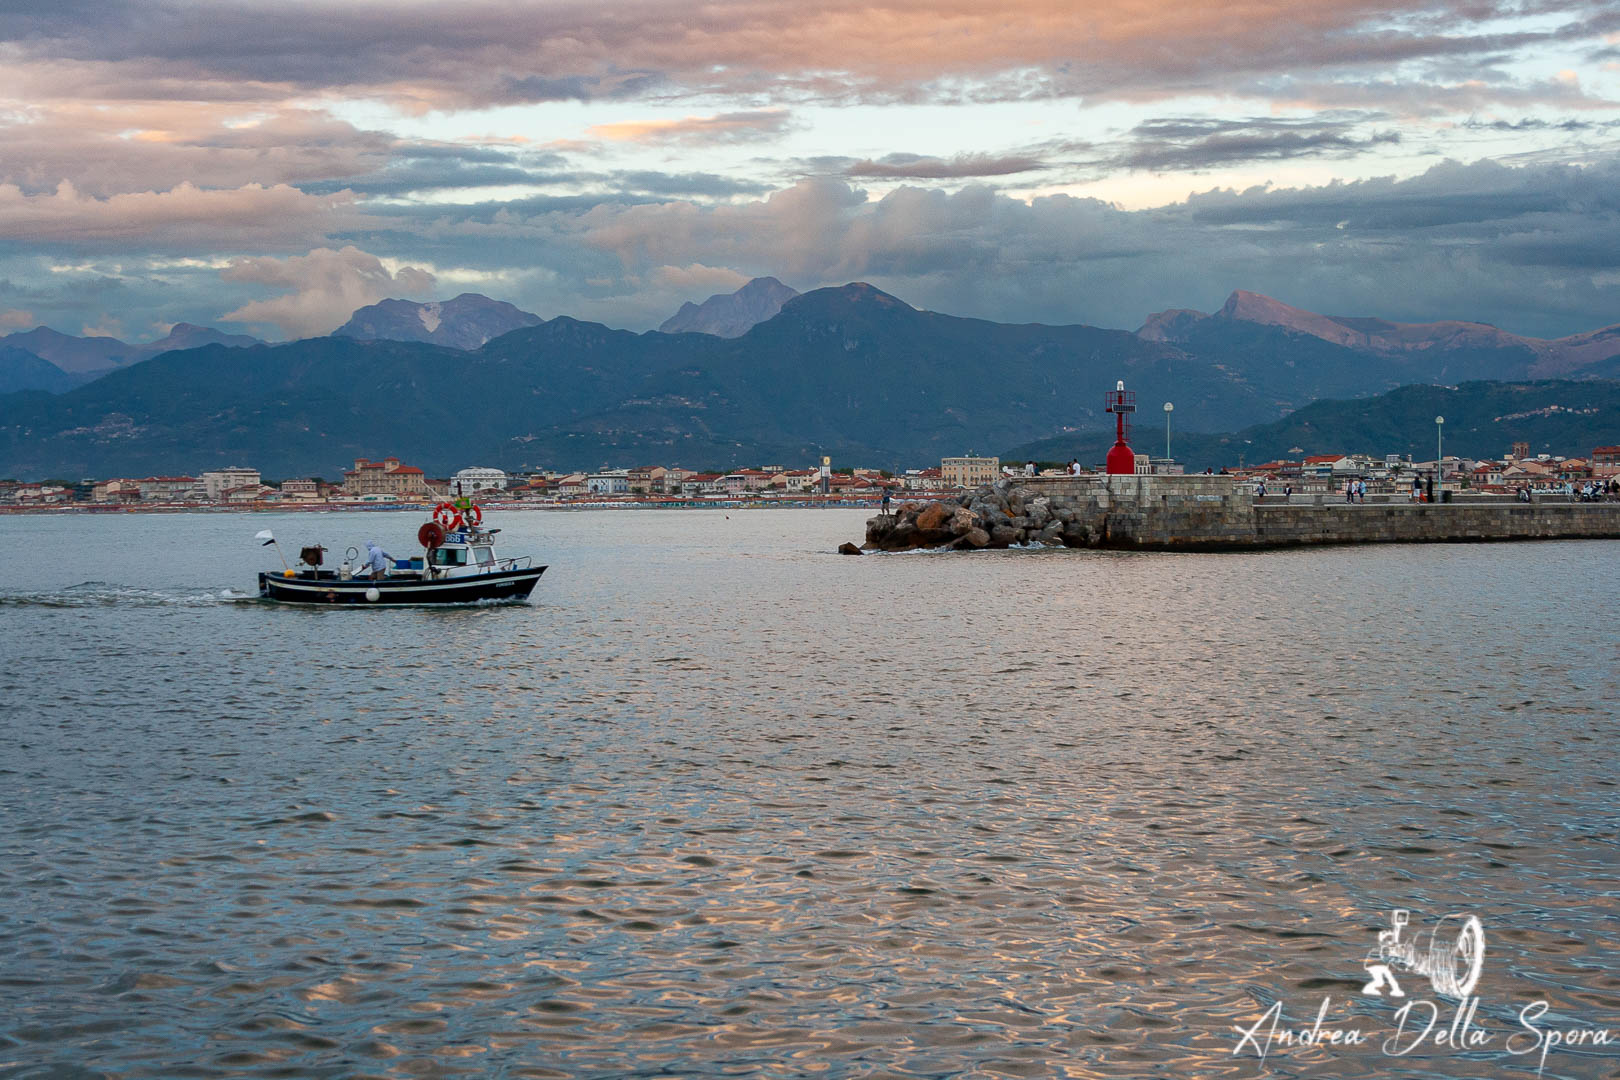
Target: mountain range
(851, 371)
(45, 359)
(730, 315)
(1464, 345)
(465, 322)
(1482, 420)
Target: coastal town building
(171, 488)
(386, 477)
(303, 489)
(797, 481)
(478, 478)
(217, 482)
(250, 493)
(117, 491)
(923, 479)
(970, 471)
(1157, 466)
(699, 483)
(1302, 476)
(615, 482)
(35, 496)
(646, 479)
(746, 480)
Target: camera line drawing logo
(1452, 965)
(1452, 961)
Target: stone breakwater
(1211, 513)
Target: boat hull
(508, 586)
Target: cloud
(328, 286)
(1534, 248)
(703, 184)
(725, 127)
(916, 166)
(184, 218)
(1534, 123)
(700, 280)
(486, 52)
(414, 169)
(16, 319)
(1525, 247)
(106, 326)
(1200, 143)
(110, 147)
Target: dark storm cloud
(1448, 195)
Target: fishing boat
(458, 566)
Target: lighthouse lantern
(1121, 459)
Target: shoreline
(830, 503)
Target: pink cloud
(327, 288)
(482, 52)
(184, 218)
(726, 127)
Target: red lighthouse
(1121, 459)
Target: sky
(268, 166)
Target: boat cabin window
(484, 555)
(445, 556)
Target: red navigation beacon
(1121, 459)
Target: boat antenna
(267, 539)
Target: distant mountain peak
(731, 315)
(1245, 306)
(1169, 325)
(1469, 343)
(857, 294)
(465, 322)
(184, 335)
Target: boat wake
(89, 594)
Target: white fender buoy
(373, 594)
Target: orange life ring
(475, 516)
(447, 516)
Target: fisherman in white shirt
(378, 559)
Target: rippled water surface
(721, 803)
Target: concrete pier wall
(1277, 526)
(1212, 513)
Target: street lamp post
(1168, 409)
(1439, 457)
